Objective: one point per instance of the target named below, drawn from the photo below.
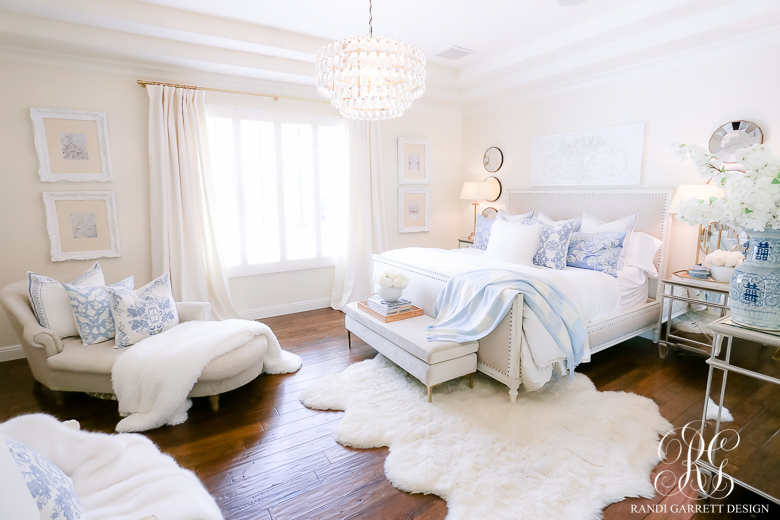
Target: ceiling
(519, 45)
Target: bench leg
(513, 391)
(471, 380)
(214, 401)
(430, 394)
(349, 339)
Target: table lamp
(475, 191)
(699, 191)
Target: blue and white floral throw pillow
(144, 312)
(51, 489)
(92, 309)
(482, 235)
(553, 243)
(596, 251)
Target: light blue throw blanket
(473, 303)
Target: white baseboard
(288, 308)
(11, 352)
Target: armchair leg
(349, 340)
(59, 398)
(214, 400)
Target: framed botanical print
(72, 145)
(414, 161)
(414, 209)
(82, 225)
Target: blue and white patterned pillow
(144, 312)
(50, 302)
(596, 251)
(503, 215)
(482, 235)
(51, 489)
(92, 309)
(553, 243)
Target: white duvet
(596, 294)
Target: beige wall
(24, 243)
(688, 99)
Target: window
(277, 178)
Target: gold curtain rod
(275, 97)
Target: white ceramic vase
(721, 273)
(390, 294)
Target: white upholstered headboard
(651, 204)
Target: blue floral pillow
(144, 312)
(51, 489)
(596, 251)
(92, 309)
(482, 235)
(553, 243)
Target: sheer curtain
(183, 234)
(365, 216)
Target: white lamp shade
(699, 191)
(475, 191)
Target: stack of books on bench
(388, 311)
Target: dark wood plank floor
(265, 456)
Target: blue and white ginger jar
(755, 285)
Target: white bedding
(634, 286)
(596, 294)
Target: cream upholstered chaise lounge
(67, 365)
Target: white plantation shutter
(277, 179)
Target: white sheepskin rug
(563, 452)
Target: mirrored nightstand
(465, 242)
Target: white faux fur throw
(152, 378)
(117, 477)
(562, 452)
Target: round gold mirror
(495, 186)
(493, 159)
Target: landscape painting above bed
(610, 156)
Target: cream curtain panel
(183, 235)
(365, 218)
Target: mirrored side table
(754, 458)
(703, 295)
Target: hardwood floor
(264, 456)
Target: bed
(614, 309)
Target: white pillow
(642, 251)
(544, 219)
(144, 312)
(503, 215)
(513, 242)
(593, 224)
(50, 301)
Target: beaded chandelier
(370, 77)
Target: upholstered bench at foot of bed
(404, 343)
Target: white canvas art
(609, 156)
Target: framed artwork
(609, 156)
(82, 225)
(414, 210)
(72, 145)
(414, 161)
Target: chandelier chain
(370, 18)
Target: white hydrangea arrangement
(751, 199)
(723, 258)
(390, 278)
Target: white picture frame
(610, 156)
(414, 209)
(414, 161)
(82, 225)
(72, 145)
